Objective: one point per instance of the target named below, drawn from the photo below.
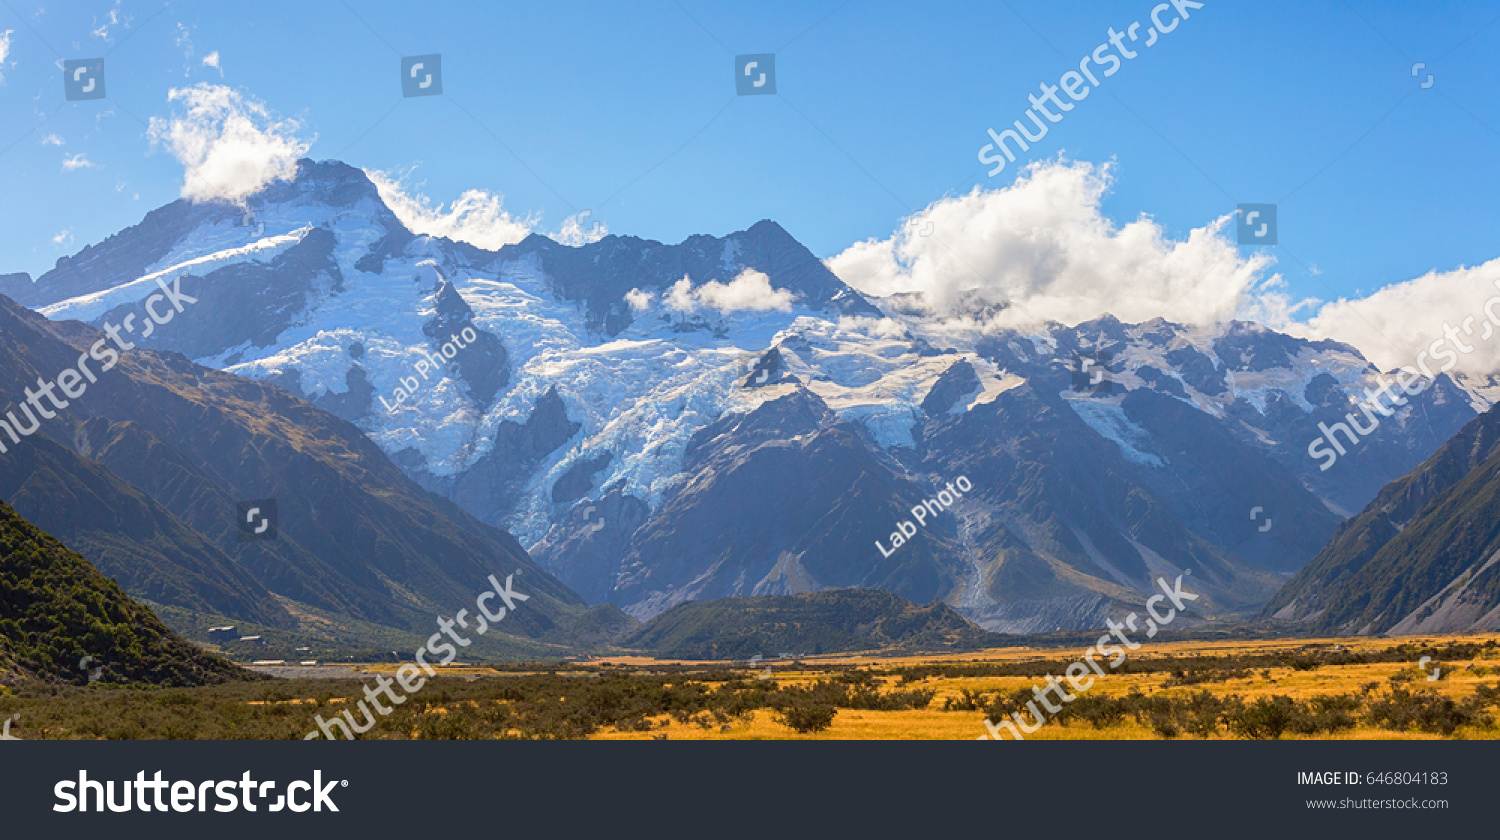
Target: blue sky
(629, 110)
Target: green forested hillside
(56, 609)
(832, 621)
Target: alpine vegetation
(410, 676)
(1078, 674)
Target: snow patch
(1109, 420)
(91, 306)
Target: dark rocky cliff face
(495, 482)
(956, 382)
(600, 273)
(245, 303)
(481, 360)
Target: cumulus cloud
(50, 140)
(639, 301)
(750, 291)
(1400, 322)
(572, 231)
(477, 217)
(63, 237)
(212, 60)
(679, 298)
(4, 51)
(230, 145)
(1044, 245)
(884, 328)
(78, 161)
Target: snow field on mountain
(91, 306)
(1107, 417)
(643, 394)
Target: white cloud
(50, 140)
(751, 290)
(230, 145)
(78, 161)
(639, 301)
(572, 232)
(477, 217)
(1396, 324)
(4, 50)
(1044, 245)
(63, 237)
(679, 298)
(184, 41)
(110, 20)
(881, 328)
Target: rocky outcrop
(600, 273)
(479, 358)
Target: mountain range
(638, 425)
(143, 473)
(1423, 557)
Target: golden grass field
(1286, 688)
(932, 723)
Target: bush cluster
(534, 706)
(1202, 714)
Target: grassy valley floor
(1358, 688)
